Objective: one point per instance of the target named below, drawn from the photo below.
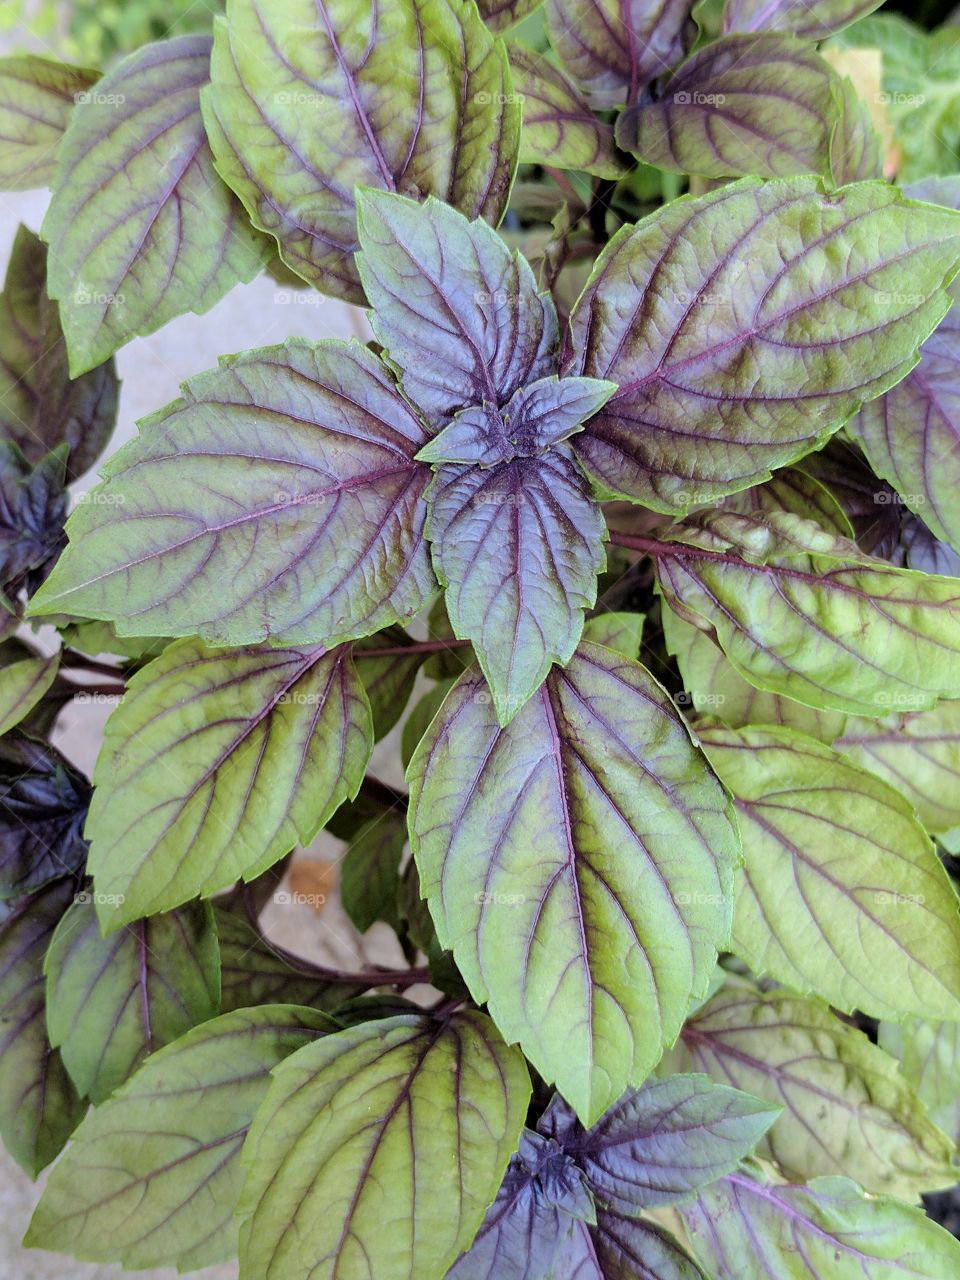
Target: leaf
(113, 1001)
(929, 1055)
(419, 719)
(613, 50)
(856, 149)
(351, 1130)
(152, 1176)
(744, 327)
(306, 105)
(559, 126)
(216, 764)
(389, 679)
(40, 407)
(806, 614)
(915, 752)
(458, 312)
(743, 104)
(22, 685)
(536, 1227)
(254, 972)
(638, 1249)
(140, 227)
(578, 863)
(501, 15)
(518, 548)
(846, 1107)
(660, 1143)
(828, 1230)
(37, 99)
(39, 1107)
(33, 507)
(43, 807)
(620, 631)
(841, 892)
(314, 445)
(814, 19)
(370, 870)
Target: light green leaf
(579, 864)
(216, 764)
(841, 892)
(846, 1107)
(112, 1001)
(308, 102)
(37, 98)
(22, 685)
(140, 227)
(358, 1136)
(620, 631)
(929, 1056)
(152, 1176)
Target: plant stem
(71, 658)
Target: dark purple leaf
(39, 1107)
(921, 550)
(764, 105)
(746, 325)
(33, 507)
(638, 1249)
(459, 314)
(614, 48)
(278, 498)
(40, 407)
(813, 19)
(43, 807)
(870, 504)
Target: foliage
(633, 533)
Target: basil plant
(633, 533)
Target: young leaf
(764, 105)
(37, 99)
(614, 49)
(306, 105)
(620, 631)
(841, 892)
(912, 434)
(39, 1107)
(846, 1108)
(278, 498)
(459, 313)
(579, 864)
(746, 325)
(43, 807)
(812, 19)
(518, 548)
(916, 752)
(152, 1176)
(802, 613)
(828, 1230)
(22, 685)
(254, 972)
(559, 127)
(216, 764)
(140, 227)
(113, 1001)
(354, 1130)
(929, 1056)
(40, 407)
(660, 1143)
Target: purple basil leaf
(279, 497)
(579, 864)
(501, 15)
(43, 807)
(746, 325)
(518, 548)
(33, 507)
(638, 1249)
(912, 434)
(140, 227)
(535, 1227)
(813, 19)
(764, 105)
(39, 1107)
(615, 48)
(870, 504)
(662, 1142)
(921, 550)
(311, 100)
(459, 314)
(856, 149)
(40, 407)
